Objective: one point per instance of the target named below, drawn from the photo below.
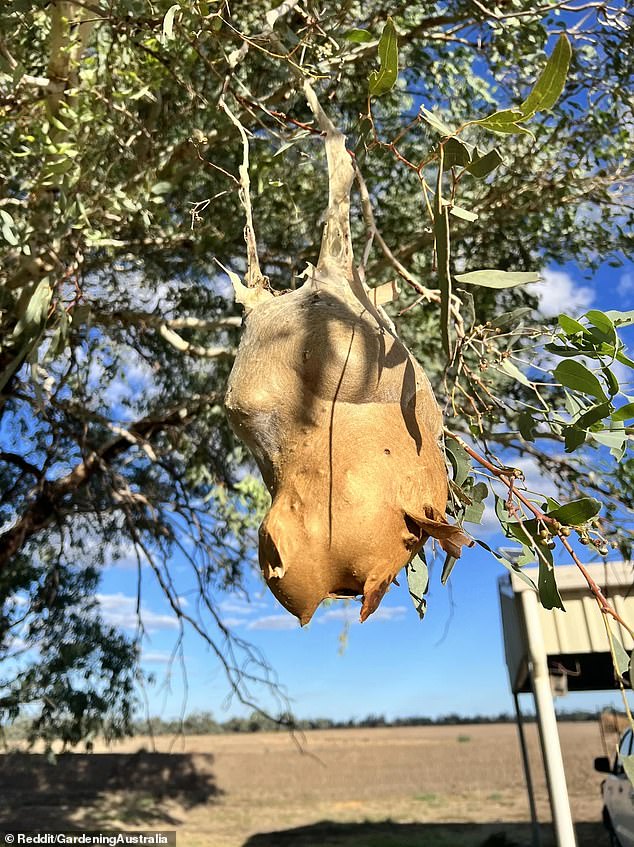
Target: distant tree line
(204, 723)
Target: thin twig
(254, 277)
(506, 475)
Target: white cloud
(120, 610)
(241, 607)
(558, 293)
(239, 612)
(124, 555)
(285, 621)
(626, 284)
(233, 622)
(350, 614)
(156, 658)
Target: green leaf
(573, 438)
(621, 656)
(161, 187)
(624, 360)
(497, 279)
(474, 498)
(383, 80)
(447, 568)
(570, 326)
(624, 413)
(576, 376)
(548, 88)
(480, 492)
(526, 532)
(515, 373)
(504, 122)
(593, 415)
(460, 461)
(417, 583)
(463, 214)
(616, 441)
(35, 309)
(168, 22)
(577, 512)
(546, 584)
(442, 242)
(474, 513)
(7, 228)
(526, 424)
(559, 350)
(455, 153)
(435, 123)
(572, 404)
(621, 318)
(363, 133)
(482, 167)
(60, 336)
(9, 235)
(510, 320)
(511, 566)
(544, 95)
(604, 324)
(611, 381)
(359, 36)
(502, 514)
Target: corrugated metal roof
(581, 629)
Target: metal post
(536, 840)
(547, 724)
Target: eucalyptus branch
(131, 317)
(179, 343)
(507, 477)
(51, 494)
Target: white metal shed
(555, 651)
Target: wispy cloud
(350, 614)
(339, 614)
(120, 610)
(234, 622)
(626, 284)
(236, 606)
(558, 292)
(156, 658)
(285, 621)
(238, 612)
(124, 555)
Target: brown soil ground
(432, 786)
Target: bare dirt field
(432, 786)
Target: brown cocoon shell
(343, 424)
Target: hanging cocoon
(342, 422)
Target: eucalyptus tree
(123, 134)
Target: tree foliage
(121, 197)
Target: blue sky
(393, 664)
